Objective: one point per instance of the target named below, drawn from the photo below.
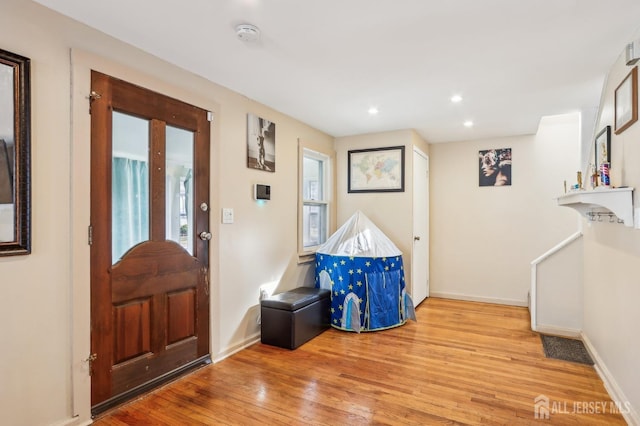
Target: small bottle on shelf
(604, 175)
(579, 180)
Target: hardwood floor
(460, 363)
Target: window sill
(306, 258)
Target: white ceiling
(325, 62)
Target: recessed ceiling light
(373, 111)
(468, 123)
(456, 98)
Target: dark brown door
(149, 232)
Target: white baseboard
(610, 384)
(74, 421)
(255, 338)
(557, 331)
(457, 296)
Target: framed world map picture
(376, 170)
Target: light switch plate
(227, 215)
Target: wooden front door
(149, 239)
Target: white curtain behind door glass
(129, 205)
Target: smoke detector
(247, 32)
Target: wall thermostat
(261, 192)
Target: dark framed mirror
(15, 167)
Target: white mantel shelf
(619, 201)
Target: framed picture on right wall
(603, 147)
(626, 102)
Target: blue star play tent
(364, 271)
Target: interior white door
(420, 254)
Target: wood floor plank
(461, 363)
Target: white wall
(484, 238)
(559, 290)
(36, 295)
(44, 308)
(612, 264)
(389, 211)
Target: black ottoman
(294, 317)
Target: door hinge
(93, 96)
(90, 235)
(89, 361)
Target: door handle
(416, 238)
(205, 236)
